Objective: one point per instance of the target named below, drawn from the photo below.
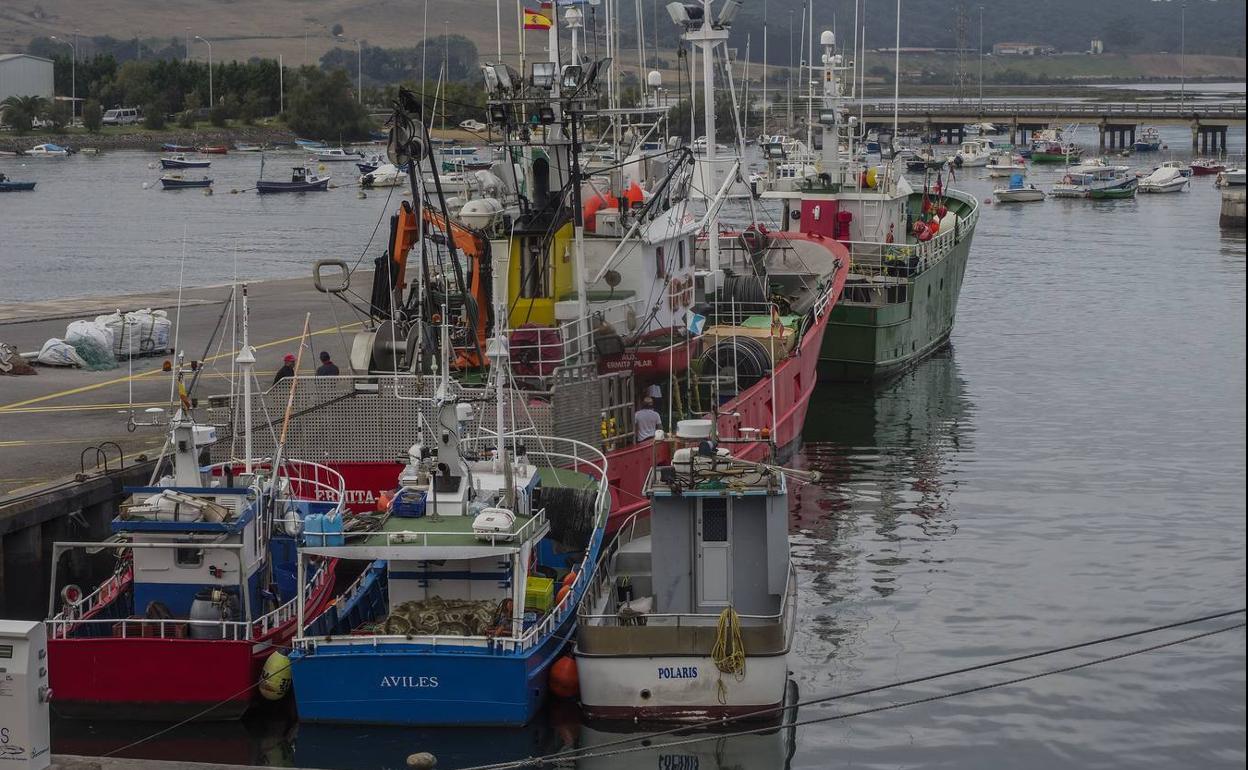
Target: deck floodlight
(570, 78)
(543, 75)
(508, 79)
(546, 114)
(491, 79)
(500, 114)
(685, 15)
(729, 12)
(596, 70)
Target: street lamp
(359, 70)
(981, 61)
(73, 74)
(211, 102)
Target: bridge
(1116, 121)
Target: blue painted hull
(182, 184)
(166, 163)
(412, 684)
(265, 188)
(16, 186)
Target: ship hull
(868, 343)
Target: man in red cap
(287, 370)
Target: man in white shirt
(646, 420)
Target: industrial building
(25, 75)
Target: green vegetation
(92, 116)
(20, 112)
(381, 66)
(324, 106)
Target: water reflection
(888, 456)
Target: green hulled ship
(908, 248)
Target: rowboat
(217, 150)
(179, 182)
(8, 185)
(176, 148)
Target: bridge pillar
(1222, 133)
(1132, 137)
(1101, 143)
(1195, 136)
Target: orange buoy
(383, 501)
(570, 578)
(563, 591)
(564, 682)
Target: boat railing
(580, 456)
(309, 481)
(155, 628)
(900, 260)
(684, 619)
(576, 337)
(266, 623)
(104, 594)
(526, 531)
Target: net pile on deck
(442, 617)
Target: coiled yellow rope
(729, 651)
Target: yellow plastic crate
(539, 593)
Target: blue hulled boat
(456, 620)
(179, 160)
(9, 185)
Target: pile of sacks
(99, 343)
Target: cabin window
(714, 521)
(188, 557)
(533, 270)
(660, 268)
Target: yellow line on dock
(81, 408)
(96, 386)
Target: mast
(766, 67)
(830, 114)
(246, 364)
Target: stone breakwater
(143, 139)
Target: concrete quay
(65, 452)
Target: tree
(59, 115)
(153, 117)
(186, 119)
(323, 106)
(219, 115)
(92, 116)
(20, 111)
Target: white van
(122, 116)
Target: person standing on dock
(287, 370)
(327, 368)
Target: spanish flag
(536, 20)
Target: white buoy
(151, 165)
(146, 185)
(422, 760)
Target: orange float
(564, 682)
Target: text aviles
(409, 681)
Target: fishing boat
(200, 585)
(213, 150)
(371, 162)
(1054, 152)
(973, 153)
(1232, 177)
(48, 150)
(1096, 181)
(1018, 192)
(12, 185)
(385, 175)
(1207, 167)
(692, 613)
(1183, 168)
(338, 155)
(925, 160)
(180, 182)
(301, 180)
(1148, 141)
(179, 160)
(908, 249)
(1163, 180)
(456, 620)
(1006, 164)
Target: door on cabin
(713, 571)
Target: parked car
(122, 116)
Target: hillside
(300, 30)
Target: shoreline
(143, 139)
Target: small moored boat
(48, 150)
(217, 150)
(1149, 141)
(301, 180)
(10, 185)
(179, 160)
(168, 147)
(1018, 192)
(1163, 180)
(1207, 167)
(1097, 181)
(179, 182)
(311, 144)
(338, 155)
(1006, 164)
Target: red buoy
(564, 682)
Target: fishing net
(98, 357)
(442, 617)
(571, 515)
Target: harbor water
(1071, 467)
